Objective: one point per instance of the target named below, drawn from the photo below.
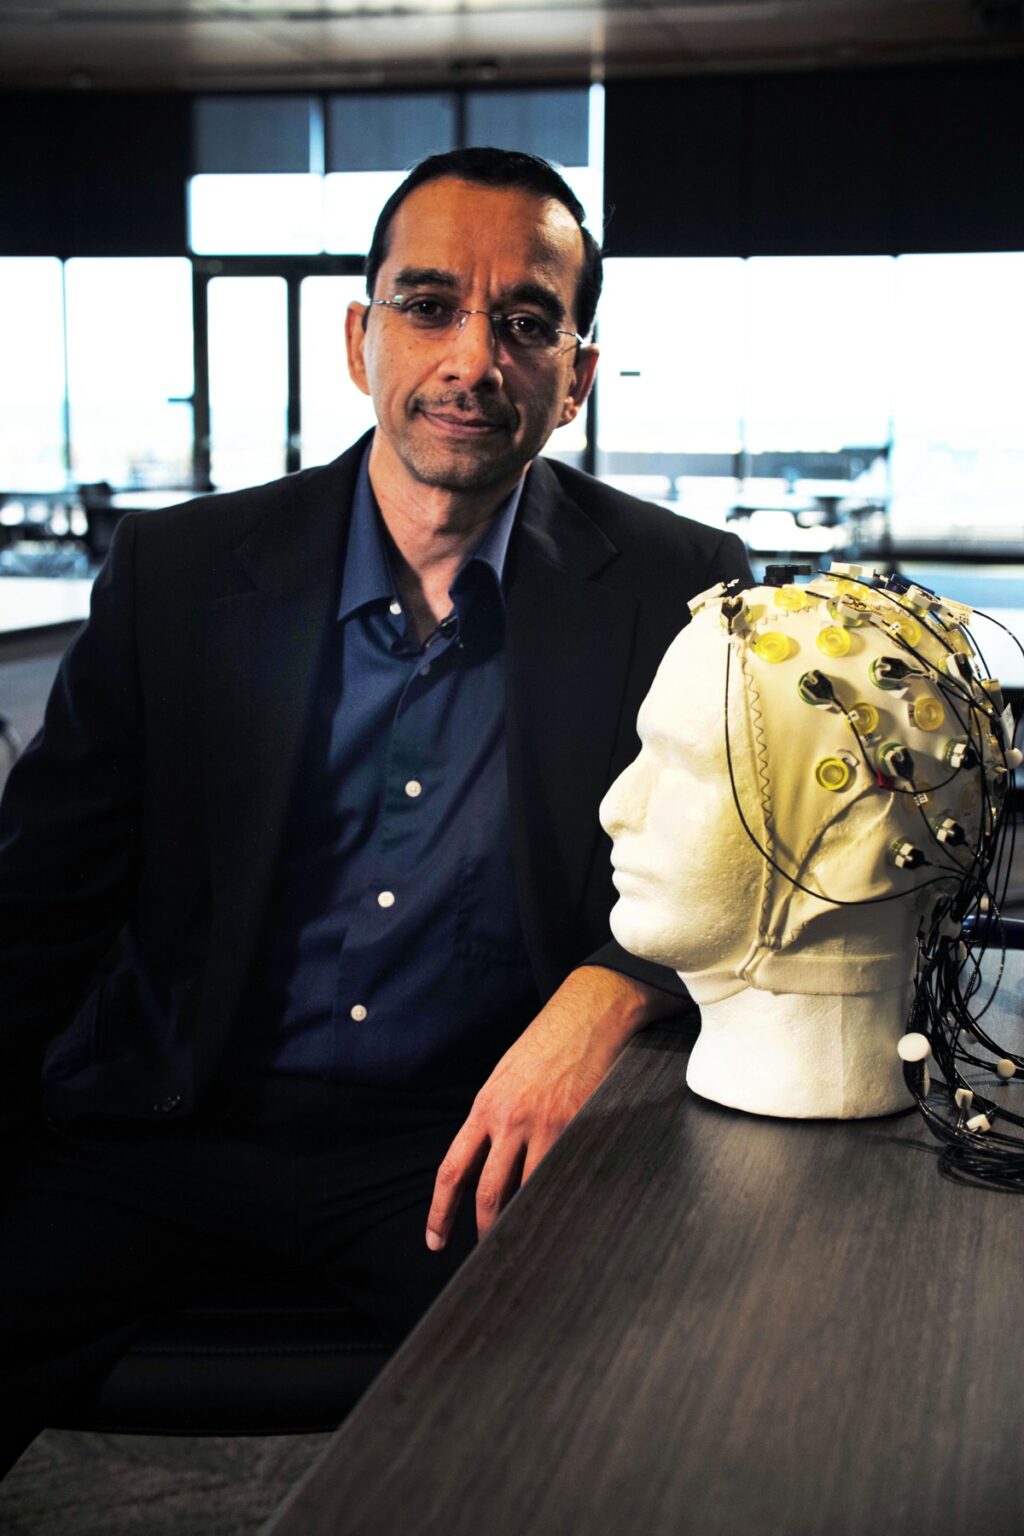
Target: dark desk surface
(695, 1321)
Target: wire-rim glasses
(519, 333)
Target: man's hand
(536, 1089)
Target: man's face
(455, 411)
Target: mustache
(492, 411)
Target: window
(248, 379)
(670, 401)
(864, 397)
(256, 215)
(303, 174)
(32, 450)
(129, 340)
(244, 135)
(334, 412)
(958, 443)
(257, 187)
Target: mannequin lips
(626, 877)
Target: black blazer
(139, 832)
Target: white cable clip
(707, 596)
(914, 1046)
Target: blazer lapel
(263, 647)
(569, 641)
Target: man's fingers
(459, 1164)
(500, 1177)
(539, 1147)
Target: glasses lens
(520, 332)
(427, 314)
(525, 333)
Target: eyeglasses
(518, 334)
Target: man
(308, 849)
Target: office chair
(281, 1360)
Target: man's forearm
(617, 1005)
(538, 1086)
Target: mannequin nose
(625, 805)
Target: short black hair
(491, 167)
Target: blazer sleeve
(69, 826)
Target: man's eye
(528, 330)
(427, 312)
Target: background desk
(693, 1320)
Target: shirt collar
(367, 574)
(492, 550)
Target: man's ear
(355, 344)
(580, 383)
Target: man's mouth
(456, 421)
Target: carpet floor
(70, 1483)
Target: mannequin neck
(803, 1056)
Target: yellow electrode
(864, 717)
(907, 628)
(833, 641)
(792, 599)
(927, 713)
(833, 773)
(771, 646)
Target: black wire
(832, 901)
(948, 982)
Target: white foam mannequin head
(802, 998)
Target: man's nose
(472, 351)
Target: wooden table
(697, 1321)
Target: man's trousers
(103, 1225)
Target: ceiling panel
(252, 43)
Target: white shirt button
(425, 669)
(395, 608)
(386, 899)
(413, 788)
(358, 1012)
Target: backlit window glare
(31, 374)
(253, 215)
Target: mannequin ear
(355, 344)
(580, 383)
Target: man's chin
(478, 468)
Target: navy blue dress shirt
(393, 950)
